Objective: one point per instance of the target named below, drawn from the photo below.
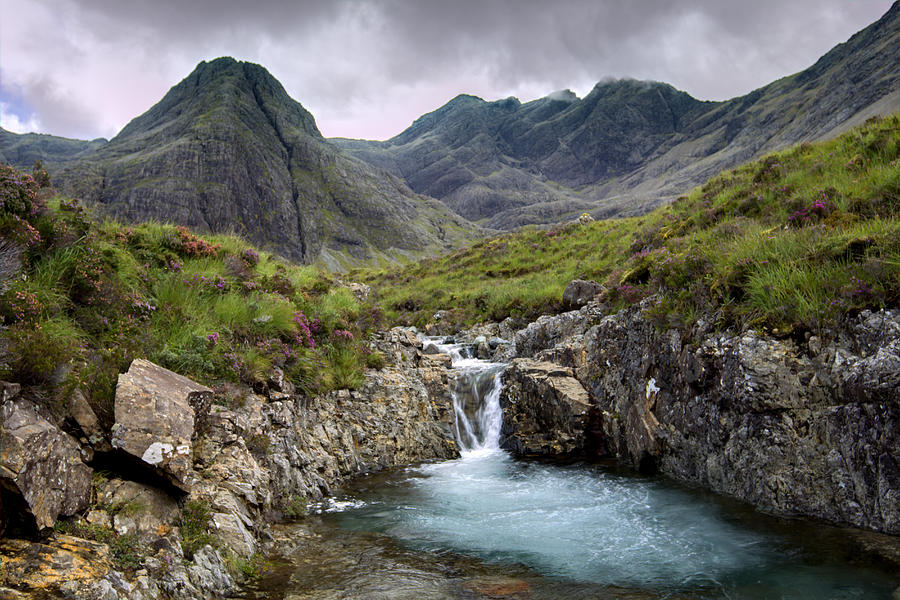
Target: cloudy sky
(367, 68)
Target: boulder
(545, 410)
(41, 464)
(81, 412)
(360, 290)
(579, 292)
(154, 413)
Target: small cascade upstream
(476, 399)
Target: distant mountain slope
(25, 148)
(628, 146)
(228, 150)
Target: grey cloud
(368, 61)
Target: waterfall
(476, 399)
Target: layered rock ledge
(806, 428)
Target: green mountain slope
(628, 146)
(23, 149)
(793, 241)
(228, 150)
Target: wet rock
(41, 464)
(155, 419)
(431, 349)
(498, 587)
(811, 430)
(545, 409)
(579, 292)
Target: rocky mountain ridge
(628, 145)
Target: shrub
(36, 349)
(194, 525)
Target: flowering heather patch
(215, 284)
(342, 335)
(191, 245)
(18, 193)
(250, 257)
(820, 208)
(305, 330)
(25, 306)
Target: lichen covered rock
(155, 419)
(41, 464)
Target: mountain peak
(224, 88)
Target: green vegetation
(194, 526)
(792, 241)
(91, 297)
(125, 550)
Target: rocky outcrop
(256, 458)
(808, 428)
(579, 292)
(73, 566)
(155, 419)
(545, 410)
(40, 464)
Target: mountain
(23, 149)
(628, 145)
(228, 150)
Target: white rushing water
(476, 400)
(578, 522)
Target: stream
(487, 525)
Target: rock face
(41, 464)
(811, 430)
(267, 453)
(545, 410)
(154, 413)
(627, 145)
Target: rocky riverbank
(809, 427)
(177, 501)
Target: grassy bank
(91, 296)
(792, 241)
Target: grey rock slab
(155, 419)
(42, 464)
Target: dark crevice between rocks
(648, 464)
(16, 520)
(122, 466)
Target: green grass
(93, 295)
(793, 241)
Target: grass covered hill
(80, 299)
(792, 241)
